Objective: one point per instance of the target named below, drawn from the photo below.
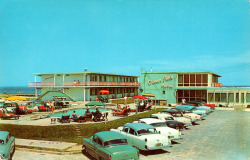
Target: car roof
(4, 134)
(138, 126)
(108, 135)
(151, 120)
(171, 111)
(185, 107)
(162, 114)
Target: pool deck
(40, 119)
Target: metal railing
(84, 83)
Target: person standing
(52, 106)
(183, 101)
(125, 100)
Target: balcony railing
(83, 83)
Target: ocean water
(18, 90)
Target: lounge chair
(124, 112)
(97, 116)
(65, 119)
(80, 119)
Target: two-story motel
(85, 86)
(172, 87)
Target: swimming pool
(79, 112)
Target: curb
(49, 152)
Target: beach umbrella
(94, 103)
(15, 98)
(139, 97)
(148, 95)
(104, 91)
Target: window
(131, 131)
(248, 97)
(230, 97)
(223, 97)
(186, 79)
(242, 98)
(198, 79)
(192, 79)
(163, 92)
(210, 97)
(217, 97)
(237, 98)
(180, 80)
(125, 129)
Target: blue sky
(122, 36)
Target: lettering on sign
(166, 85)
(165, 78)
(153, 82)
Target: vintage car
(178, 116)
(143, 136)
(161, 127)
(201, 107)
(192, 116)
(169, 120)
(15, 107)
(191, 109)
(202, 103)
(7, 145)
(109, 145)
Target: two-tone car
(192, 116)
(143, 136)
(109, 145)
(162, 128)
(200, 107)
(7, 145)
(169, 120)
(178, 116)
(191, 109)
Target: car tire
(84, 149)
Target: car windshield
(115, 142)
(168, 118)
(162, 124)
(146, 131)
(1, 141)
(177, 114)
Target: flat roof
(181, 72)
(70, 73)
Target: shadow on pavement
(174, 142)
(153, 152)
(195, 124)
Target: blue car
(7, 145)
(191, 109)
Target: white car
(207, 109)
(161, 127)
(179, 117)
(143, 136)
(192, 116)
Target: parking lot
(222, 135)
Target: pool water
(79, 112)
